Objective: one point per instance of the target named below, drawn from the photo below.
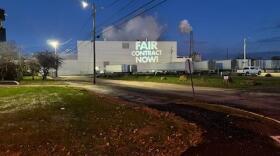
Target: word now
(147, 59)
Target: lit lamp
(84, 4)
(55, 44)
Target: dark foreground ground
(65, 121)
(224, 133)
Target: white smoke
(139, 28)
(185, 26)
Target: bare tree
(58, 63)
(48, 60)
(8, 51)
(34, 67)
(8, 59)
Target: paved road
(267, 104)
(224, 134)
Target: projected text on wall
(147, 52)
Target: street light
(55, 44)
(85, 5)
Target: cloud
(269, 40)
(185, 26)
(139, 28)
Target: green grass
(63, 120)
(251, 83)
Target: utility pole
(188, 61)
(227, 54)
(191, 43)
(245, 51)
(190, 70)
(94, 40)
(85, 4)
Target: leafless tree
(48, 60)
(8, 59)
(34, 67)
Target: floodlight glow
(54, 43)
(84, 4)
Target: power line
(87, 21)
(138, 9)
(135, 11)
(124, 21)
(117, 12)
(112, 4)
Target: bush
(183, 78)
(8, 71)
(268, 75)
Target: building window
(125, 45)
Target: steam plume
(139, 28)
(185, 26)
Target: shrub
(183, 78)
(8, 71)
(268, 75)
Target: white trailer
(241, 63)
(117, 68)
(226, 65)
(204, 66)
(169, 67)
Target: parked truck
(250, 70)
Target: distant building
(196, 57)
(2, 29)
(147, 56)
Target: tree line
(13, 66)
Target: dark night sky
(218, 24)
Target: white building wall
(113, 53)
(69, 67)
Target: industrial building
(268, 65)
(148, 56)
(2, 29)
(125, 56)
